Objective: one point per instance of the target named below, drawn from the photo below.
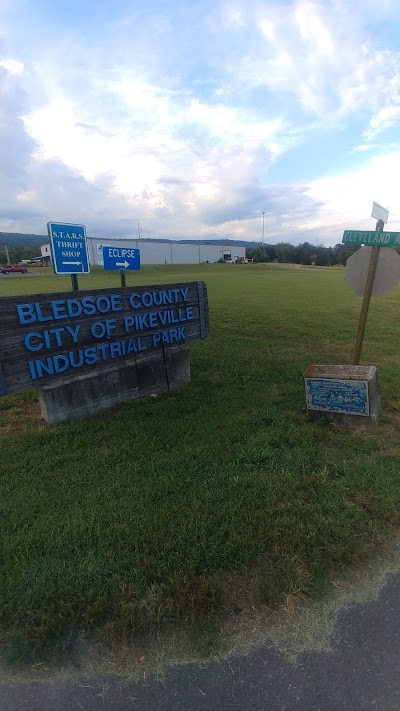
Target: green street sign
(380, 239)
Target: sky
(193, 118)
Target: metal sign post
(74, 280)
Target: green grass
(134, 517)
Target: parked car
(13, 270)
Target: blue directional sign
(68, 248)
(121, 258)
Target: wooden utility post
(369, 284)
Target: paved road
(362, 672)
(3, 277)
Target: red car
(13, 270)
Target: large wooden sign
(46, 337)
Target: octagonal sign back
(387, 273)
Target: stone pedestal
(345, 393)
(90, 393)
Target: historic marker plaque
(350, 392)
(346, 396)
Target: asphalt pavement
(361, 672)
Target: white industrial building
(160, 252)
(45, 251)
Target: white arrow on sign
(71, 262)
(124, 265)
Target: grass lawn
(134, 517)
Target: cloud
(387, 117)
(180, 117)
(348, 197)
(377, 148)
(16, 146)
(12, 66)
(317, 55)
(366, 147)
(19, 214)
(92, 130)
(217, 155)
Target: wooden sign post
(350, 393)
(376, 240)
(366, 299)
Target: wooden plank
(200, 294)
(58, 331)
(177, 365)
(3, 385)
(88, 394)
(152, 374)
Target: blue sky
(195, 117)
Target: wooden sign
(45, 337)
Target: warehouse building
(154, 252)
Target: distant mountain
(19, 239)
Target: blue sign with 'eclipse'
(68, 248)
(121, 258)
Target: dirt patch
(18, 418)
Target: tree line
(18, 253)
(305, 253)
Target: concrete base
(348, 394)
(90, 393)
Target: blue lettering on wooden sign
(70, 308)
